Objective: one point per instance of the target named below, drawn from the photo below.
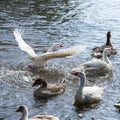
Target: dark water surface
(44, 22)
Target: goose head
(54, 47)
(40, 81)
(108, 42)
(22, 109)
(82, 77)
(57, 45)
(108, 34)
(107, 51)
(78, 73)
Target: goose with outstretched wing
(41, 60)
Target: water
(44, 22)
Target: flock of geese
(85, 95)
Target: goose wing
(94, 90)
(92, 94)
(23, 46)
(52, 90)
(49, 93)
(56, 88)
(69, 52)
(94, 64)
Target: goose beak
(74, 73)
(33, 84)
(18, 110)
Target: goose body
(97, 67)
(24, 110)
(41, 60)
(47, 90)
(97, 51)
(86, 95)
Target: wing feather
(23, 46)
(69, 52)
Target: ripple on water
(44, 22)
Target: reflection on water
(44, 22)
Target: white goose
(24, 110)
(41, 60)
(86, 95)
(97, 67)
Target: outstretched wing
(23, 46)
(69, 52)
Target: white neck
(105, 58)
(52, 48)
(82, 84)
(25, 115)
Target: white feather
(23, 46)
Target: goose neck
(79, 92)
(105, 58)
(41, 88)
(44, 84)
(108, 42)
(25, 115)
(38, 92)
(52, 49)
(82, 82)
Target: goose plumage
(97, 67)
(41, 60)
(86, 95)
(24, 110)
(97, 51)
(46, 89)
